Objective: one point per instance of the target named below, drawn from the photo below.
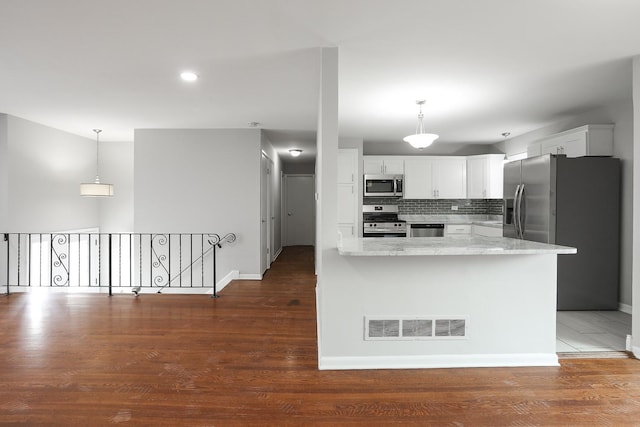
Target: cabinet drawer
(457, 229)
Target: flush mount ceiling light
(188, 76)
(96, 188)
(295, 152)
(421, 139)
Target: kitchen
(388, 212)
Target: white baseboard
(636, 351)
(439, 361)
(625, 308)
(250, 277)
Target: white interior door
(300, 210)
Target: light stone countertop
(452, 245)
(494, 221)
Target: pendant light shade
(96, 188)
(421, 139)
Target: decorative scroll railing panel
(122, 260)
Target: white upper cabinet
(485, 176)
(435, 178)
(588, 140)
(418, 182)
(450, 177)
(383, 165)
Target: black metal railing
(113, 260)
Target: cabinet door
(494, 176)
(346, 203)
(347, 166)
(450, 178)
(373, 166)
(347, 230)
(418, 182)
(476, 178)
(534, 150)
(393, 166)
(575, 146)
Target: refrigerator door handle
(521, 219)
(516, 215)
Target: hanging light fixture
(421, 139)
(96, 188)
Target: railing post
(215, 284)
(6, 239)
(109, 258)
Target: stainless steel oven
(382, 221)
(383, 185)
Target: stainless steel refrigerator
(573, 202)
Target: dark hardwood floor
(249, 358)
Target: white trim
(625, 308)
(439, 361)
(250, 277)
(318, 323)
(636, 351)
(277, 254)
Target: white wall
(401, 148)
(116, 167)
(636, 208)
(4, 194)
(620, 114)
(45, 169)
(4, 175)
(195, 181)
(301, 167)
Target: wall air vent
(415, 328)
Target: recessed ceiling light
(295, 152)
(189, 76)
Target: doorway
(266, 214)
(300, 210)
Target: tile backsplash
(440, 206)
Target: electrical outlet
(454, 207)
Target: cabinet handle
(352, 180)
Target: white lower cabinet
(348, 192)
(347, 230)
(457, 229)
(483, 230)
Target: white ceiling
(484, 67)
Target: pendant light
(421, 139)
(96, 188)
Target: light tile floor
(585, 331)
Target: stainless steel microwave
(383, 185)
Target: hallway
(250, 358)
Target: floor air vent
(415, 328)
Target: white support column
(326, 176)
(635, 331)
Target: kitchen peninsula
(440, 302)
